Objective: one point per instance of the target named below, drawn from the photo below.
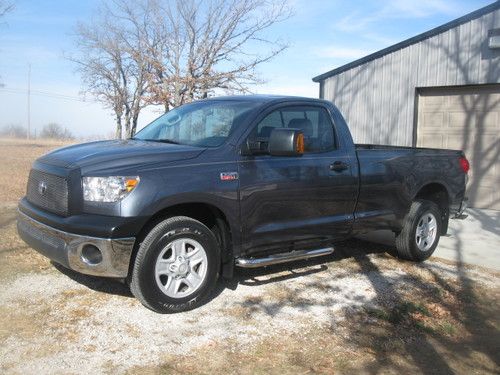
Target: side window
(259, 137)
(315, 122)
(271, 121)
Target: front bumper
(66, 248)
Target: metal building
(438, 89)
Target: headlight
(108, 189)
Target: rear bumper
(66, 248)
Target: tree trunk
(127, 128)
(127, 123)
(133, 128)
(118, 133)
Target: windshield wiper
(160, 140)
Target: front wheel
(421, 231)
(176, 267)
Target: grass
(17, 155)
(402, 312)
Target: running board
(282, 258)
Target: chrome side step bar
(282, 258)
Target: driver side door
(291, 203)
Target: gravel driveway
(276, 320)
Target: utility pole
(29, 102)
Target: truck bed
(389, 174)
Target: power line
(47, 94)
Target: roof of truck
(264, 98)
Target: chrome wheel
(181, 268)
(426, 232)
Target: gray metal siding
(378, 97)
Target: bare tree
(206, 46)
(112, 63)
(55, 131)
(13, 131)
(5, 7)
(170, 52)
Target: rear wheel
(176, 267)
(421, 231)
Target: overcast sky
(323, 34)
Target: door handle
(339, 166)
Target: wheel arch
(206, 213)
(438, 193)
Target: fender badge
(228, 176)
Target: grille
(48, 191)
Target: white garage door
(467, 119)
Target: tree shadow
(422, 346)
(429, 350)
(475, 321)
(480, 142)
(489, 221)
(274, 273)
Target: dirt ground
(359, 310)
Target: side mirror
(286, 142)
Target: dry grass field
(357, 311)
(16, 156)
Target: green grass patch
(448, 328)
(399, 313)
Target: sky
(322, 35)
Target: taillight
(464, 164)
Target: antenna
(29, 102)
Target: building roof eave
(408, 42)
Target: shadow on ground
(99, 284)
(399, 329)
(248, 277)
(394, 334)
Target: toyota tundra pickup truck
(242, 181)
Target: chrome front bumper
(66, 248)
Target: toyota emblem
(42, 187)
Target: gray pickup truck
(244, 181)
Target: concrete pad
(474, 240)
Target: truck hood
(118, 153)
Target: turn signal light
(131, 183)
(464, 164)
(300, 143)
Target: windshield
(203, 123)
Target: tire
(176, 267)
(421, 231)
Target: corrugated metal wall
(378, 98)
